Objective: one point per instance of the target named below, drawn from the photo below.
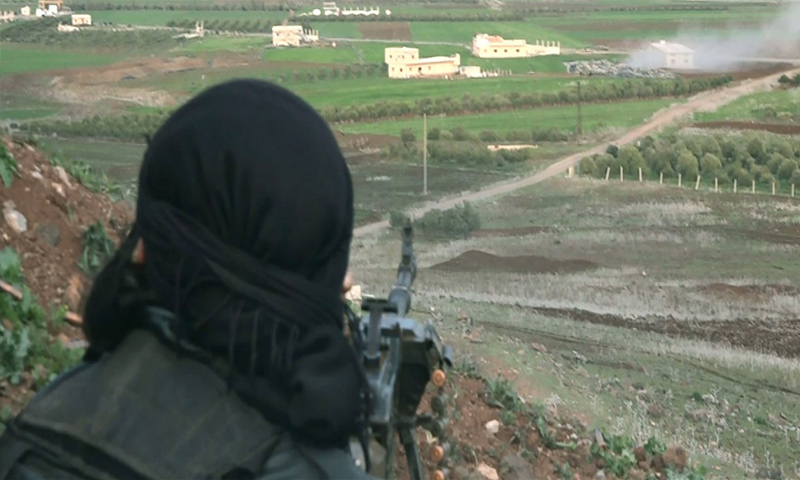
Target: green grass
(214, 44)
(620, 114)
(23, 59)
(373, 90)
(463, 32)
(120, 161)
(757, 106)
(26, 113)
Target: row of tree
(510, 100)
(135, 126)
(790, 82)
(44, 32)
(765, 158)
(252, 5)
(459, 154)
(460, 134)
(239, 25)
(123, 127)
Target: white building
(495, 46)
(665, 54)
(79, 20)
(293, 35)
(25, 11)
(6, 17)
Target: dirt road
(706, 101)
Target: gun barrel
(406, 273)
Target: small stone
(59, 189)
(63, 339)
(8, 325)
(600, 475)
(74, 291)
(13, 218)
(49, 234)
(488, 472)
(514, 467)
(493, 426)
(37, 175)
(62, 175)
(539, 347)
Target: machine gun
(401, 356)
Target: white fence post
(793, 190)
(640, 174)
(734, 185)
(754, 186)
(620, 173)
(716, 185)
(661, 178)
(679, 179)
(608, 173)
(773, 188)
(697, 183)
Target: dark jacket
(152, 411)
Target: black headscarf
(245, 208)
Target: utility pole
(580, 112)
(424, 154)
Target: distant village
(402, 62)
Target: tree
(796, 177)
(710, 164)
(755, 148)
(630, 157)
(602, 162)
(784, 80)
(687, 164)
(787, 168)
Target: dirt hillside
(57, 209)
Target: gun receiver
(400, 357)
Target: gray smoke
(722, 51)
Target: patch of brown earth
(518, 451)
(749, 291)
(779, 128)
(779, 337)
(385, 30)
(57, 212)
(478, 261)
(510, 232)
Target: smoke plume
(722, 51)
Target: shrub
(588, 166)
(8, 166)
(459, 221)
(397, 219)
(434, 133)
(97, 249)
(407, 136)
(489, 136)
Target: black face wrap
(245, 208)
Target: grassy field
(162, 17)
(372, 90)
(24, 58)
(694, 263)
(464, 31)
(765, 106)
(621, 114)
